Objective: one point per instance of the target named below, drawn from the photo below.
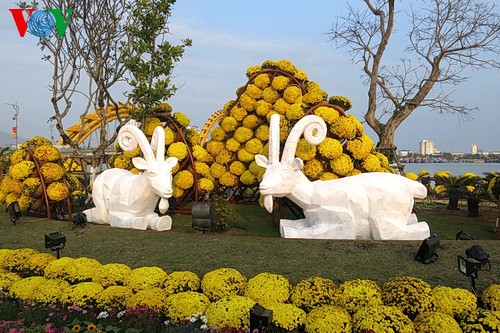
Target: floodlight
(79, 220)
(203, 214)
(260, 318)
(14, 211)
(478, 253)
(468, 266)
(427, 252)
(461, 235)
(55, 241)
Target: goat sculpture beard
(163, 205)
(268, 203)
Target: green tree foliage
(149, 57)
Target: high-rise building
(426, 147)
(473, 149)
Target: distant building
(427, 147)
(473, 149)
(404, 152)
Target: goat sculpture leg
(158, 223)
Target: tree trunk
(452, 204)
(473, 207)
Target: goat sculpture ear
(261, 160)
(172, 161)
(140, 163)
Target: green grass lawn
(252, 245)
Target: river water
(455, 168)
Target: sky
(230, 36)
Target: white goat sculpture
(125, 200)
(367, 206)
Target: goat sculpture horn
(158, 143)
(314, 129)
(130, 136)
(274, 139)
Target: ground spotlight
(260, 318)
(55, 241)
(461, 235)
(478, 253)
(14, 211)
(79, 220)
(203, 214)
(427, 252)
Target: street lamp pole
(16, 113)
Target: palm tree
(454, 187)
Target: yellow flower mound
(382, 319)
(178, 149)
(153, 298)
(181, 119)
(52, 171)
(268, 289)
(262, 81)
(436, 322)
(183, 305)
(47, 153)
(292, 94)
(295, 112)
(253, 91)
(411, 175)
(217, 170)
(237, 168)
(229, 124)
(305, 150)
(280, 82)
(287, 316)
(328, 318)
(224, 157)
(230, 311)
(15, 260)
(342, 165)
(245, 156)
(36, 263)
(223, 282)
(238, 113)
(248, 178)
(228, 179)
(146, 277)
(371, 163)
(356, 294)
(57, 191)
(243, 134)
(263, 108)
(329, 115)
(270, 95)
(201, 155)
(169, 136)
(491, 297)
(111, 274)
(22, 170)
(455, 302)
(206, 184)
(25, 288)
(359, 148)
(247, 102)
(214, 147)
(50, 291)
(412, 295)
(481, 321)
(251, 121)
(114, 297)
(330, 148)
(151, 124)
(344, 102)
(281, 106)
(82, 294)
(17, 156)
(183, 179)
(7, 280)
(181, 281)
(313, 169)
(313, 292)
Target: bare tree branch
(446, 38)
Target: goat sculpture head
(281, 176)
(158, 170)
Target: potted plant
(474, 194)
(452, 188)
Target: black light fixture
(203, 214)
(478, 253)
(55, 241)
(461, 235)
(260, 318)
(427, 251)
(14, 211)
(79, 219)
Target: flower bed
(39, 293)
